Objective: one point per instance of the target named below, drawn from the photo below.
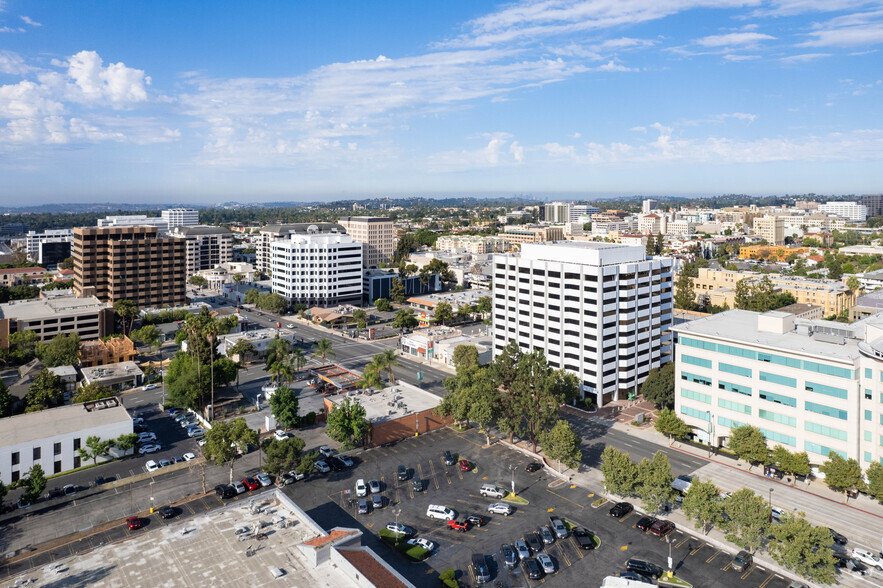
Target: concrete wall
(401, 428)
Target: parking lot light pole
(512, 471)
(670, 567)
(151, 496)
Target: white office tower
(852, 210)
(181, 217)
(317, 269)
(601, 311)
(580, 210)
(134, 220)
(649, 205)
(34, 240)
(557, 212)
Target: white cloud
(489, 156)
(30, 21)
(639, 129)
(804, 57)
(731, 57)
(848, 30)
(733, 39)
(12, 30)
(740, 116)
(12, 63)
(575, 135)
(611, 66)
(116, 85)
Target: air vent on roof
(829, 338)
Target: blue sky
(210, 101)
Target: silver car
(546, 563)
(522, 549)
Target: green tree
(148, 335)
(277, 350)
(619, 471)
(685, 296)
(792, 463)
(282, 455)
(361, 318)
(225, 439)
(272, 302)
(251, 296)
(347, 424)
(842, 474)
(90, 392)
(537, 393)
(126, 442)
(284, 404)
(748, 443)
(126, 311)
(670, 424)
(660, 243)
(35, 483)
(185, 385)
(323, 349)
(63, 349)
(875, 480)
(3, 492)
(563, 445)
(382, 305)
(835, 270)
(651, 245)
(443, 313)
(702, 502)
(484, 305)
(853, 284)
(371, 377)
(67, 263)
(659, 387)
(5, 403)
(748, 519)
(385, 360)
(23, 346)
(226, 370)
(465, 355)
(397, 290)
(654, 482)
(46, 391)
(803, 548)
(404, 319)
(198, 281)
(98, 447)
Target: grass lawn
(515, 499)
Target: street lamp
(151, 496)
(512, 471)
(668, 539)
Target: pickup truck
(558, 527)
(585, 539)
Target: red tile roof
(332, 536)
(21, 270)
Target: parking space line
(434, 478)
(716, 553)
(769, 579)
(695, 551)
(460, 473)
(562, 554)
(579, 551)
(567, 499)
(684, 540)
(748, 573)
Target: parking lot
(695, 560)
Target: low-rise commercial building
(260, 340)
(765, 251)
(52, 437)
(377, 283)
(526, 234)
(16, 276)
(116, 376)
(88, 317)
(52, 238)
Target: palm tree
(298, 358)
(384, 361)
(323, 349)
(371, 377)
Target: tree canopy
(284, 404)
(659, 387)
(347, 424)
(63, 349)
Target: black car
(620, 509)
(480, 569)
(645, 568)
(534, 542)
(403, 472)
(167, 512)
(532, 569)
(533, 467)
(837, 537)
(645, 523)
(449, 458)
(417, 485)
(335, 464)
(476, 520)
(844, 561)
(55, 493)
(225, 491)
(507, 554)
(585, 539)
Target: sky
(202, 102)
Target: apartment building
(377, 235)
(770, 228)
(799, 224)
(474, 244)
(34, 242)
(181, 217)
(134, 220)
(851, 210)
(317, 269)
(874, 204)
(557, 212)
(577, 211)
(269, 233)
(782, 253)
(47, 317)
(133, 263)
(207, 247)
(681, 227)
(720, 287)
(52, 438)
(523, 234)
(601, 311)
(811, 386)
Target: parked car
(742, 561)
(402, 473)
(585, 539)
(297, 477)
(225, 491)
(363, 506)
(645, 523)
(54, 493)
(335, 464)
(146, 437)
(500, 508)
(69, 490)
(239, 487)
(196, 432)
(374, 486)
(522, 549)
(167, 512)
(480, 569)
(201, 442)
(424, 543)
(151, 387)
(662, 528)
(531, 569)
(326, 451)
(133, 523)
(400, 529)
(376, 501)
(867, 558)
(449, 458)
(465, 465)
(644, 568)
(151, 465)
(189, 456)
(620, 509)
(287, 479)
(164, 463)
(321, 466)
(837, 537)
(546, 563)
(151, 448)
(264, 479)
(456, 525)
(558, 527)
(280, 435)
(417, 485)
(251, 483)
(173, 411)
(534, 542)
(507, 554)
(345, 460)
(849, 564)
(635, 577)
(361, 488)
(476, 520)
(533, 467)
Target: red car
(464, 526)
(465, 465)
(133, 523)
(251, 483)
(662, 528)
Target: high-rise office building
(316, 268)
(207, 246)
(649, 206)
(601, 311)
(35, 239)
(133, 263)
(377, 235)
(770, 228)
(852, 210)
(274, 232)
(181, 217)
(874, 204)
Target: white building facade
(852, 210)
(134, 220)
(181, 217)
(601, 311)
(811, 386)
(33, 240)
(321, 269)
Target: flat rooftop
(34, 426)
(741, 326)
(259, 335)
(211, 553)
(51, 307)
(124, 369)
(392, 402)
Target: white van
(437, 511)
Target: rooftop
(111, 371)
(33, 426)
(455, 299)
(200, 230)
(798, 308)
(54, 306)
(392, 402)
(259, 335)
(21, 270)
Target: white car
(326, 451)
(151, 386)
(149, 448)
(189, 456)
(867, 558)
(322, 467)
(280, 435)
(152, 466)
(289, 326)
(264, 479)
(361, 488)
(424, 543)
(345, 460)
(143, 437)
(202, 442)
(500, 508)
(546, 563)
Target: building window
(76, 445)
(868, 436)
(826, 390)
(696, 361)
(76, 461)
(826, 410)
(698, 396)
(867, 456)
(37, 452)
(868, 373)
(868, 394)
(56, 468)
(15, 458)
(777, 379)
(15, 474)
(869, 416)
